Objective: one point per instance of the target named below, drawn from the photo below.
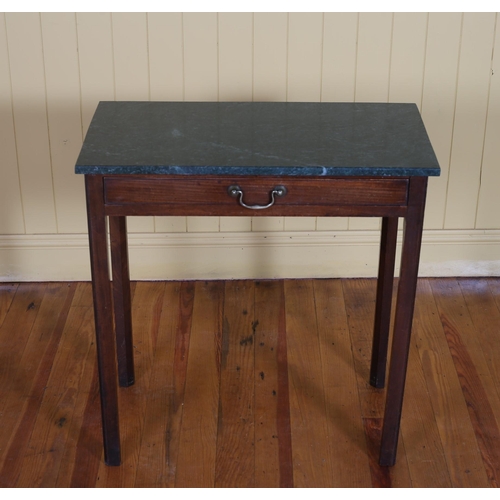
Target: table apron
(147, 209)
(210, 195)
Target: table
(254, 159)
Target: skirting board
(252, 255)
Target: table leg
(103, 311)
(403, 319)
(121, 300)
(384, 301)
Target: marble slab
(257, 138)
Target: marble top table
(254, 159)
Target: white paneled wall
(56, 67)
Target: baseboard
(255, 255)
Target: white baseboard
(177, 256)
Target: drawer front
(211, 190)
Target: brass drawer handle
(235, 191)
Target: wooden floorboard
(197, 446)
(250, 384)
(476, 382)
(32, 381)
(235, 461)
(346, 436)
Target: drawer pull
(235, 191)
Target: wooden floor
(246, 383)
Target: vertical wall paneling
(407, 58)
(268, 223)
(11, 209)
(30, 118)
(166, 79)
(166, 67)
(305, 46)
(305, 42)
(372, 73)
(131, 66)
(200, 57)
(235, 78)
(373, 57)
(56, 67)
(95, 53)
(235, 56)
(130, 52)
(269, 78)
(63, 109)
(438, 103)
(201, 81)
(339, 57)
(270, 54)
(338, 77)
(202, 224)
(470, 119)
(170, 224)
(488, 213)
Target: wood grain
(403, 319)
(83, 450)
(88, 454)
(32, 432)
(146, 313)
(303, 377)
(345, 433)
(485, 314)
(422, 445)
(20, 307)
(196, 462)
(311, 454)
(477, 385)
(449, 408)
(273, 445)
(397, 476)
(383, 303)
(235, 461)
(49, 436)
(122, 300)
(176, 190)
(7, 293)
(164, 403)
(360, 308)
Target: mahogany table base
(116, 196)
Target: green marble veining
(257, 138)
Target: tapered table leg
(403, 319)
(384, 300)
(103, 310)
(121, 300)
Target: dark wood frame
(386, 197)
